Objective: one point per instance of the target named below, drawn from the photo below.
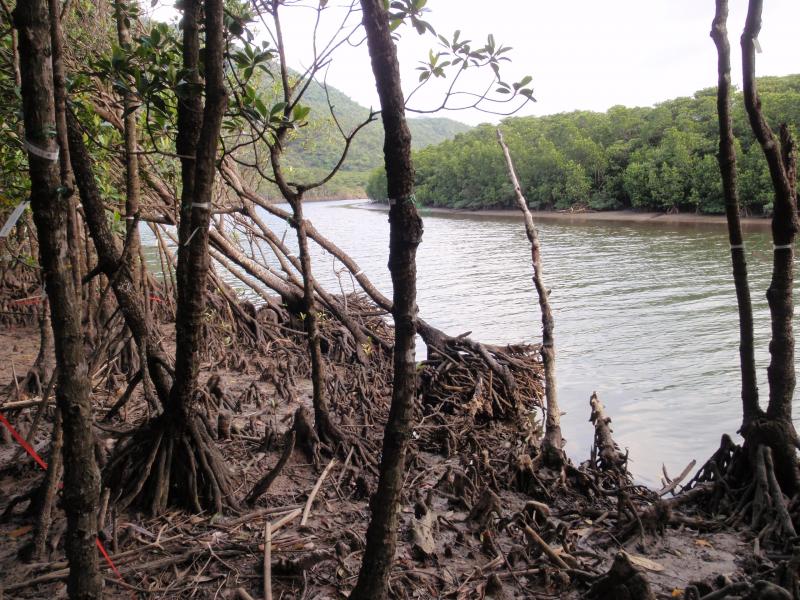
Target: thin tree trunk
(198, 181)
(60, 94)
(49, 489)
(781, 161)
(132, 181)
(326, 430)
(113, 263)
(405, 235)
(727, 166)
(323, 423)
(553, 444)
(81, 477)
(190, 119)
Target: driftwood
(314, 491)
(553, 443)
(606, 455)
(537, 541)
(267, 561)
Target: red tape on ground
(27, 301)
(110, 562)
(29, 449)
(21, 441)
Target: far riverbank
(611, 216)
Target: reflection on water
(646, 316)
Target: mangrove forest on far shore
(660, 158)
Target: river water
(644, 314)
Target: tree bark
(553, 443)
(81, 477)
(60, 95)
(778, 431)
(405, 235)
(132, 181)
(197, 173)
(112, 262)
(727, 166)
(326, 429)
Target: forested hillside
(660, 158)
(318, 148)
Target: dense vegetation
(661, 158)
(312, 153)
(317, 150)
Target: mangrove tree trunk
(405, 235)
(50, 213)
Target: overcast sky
(582, 54)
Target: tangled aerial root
(170, 462)
(744, 487)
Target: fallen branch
(545, 547)
(314, 491)
(671, 485)
(267, 561)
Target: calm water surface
(645, 315)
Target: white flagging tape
(757, 45)
(196, 229)
(12, 220)
(203, 205)
(737, 247)
(412, 198)
(359, 273)
(130, 218)
(41, 152)
(783, 247)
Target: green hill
(660, 158)
(316, 148)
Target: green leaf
(300, 112)
(117, 57)
(261, 108)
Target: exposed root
(622, 581)
(488, 503)
(306, 435)
(475, 379)
(263, 485)
(744, 486)
(170, 462)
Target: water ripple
(644, 315)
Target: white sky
(582, 54)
